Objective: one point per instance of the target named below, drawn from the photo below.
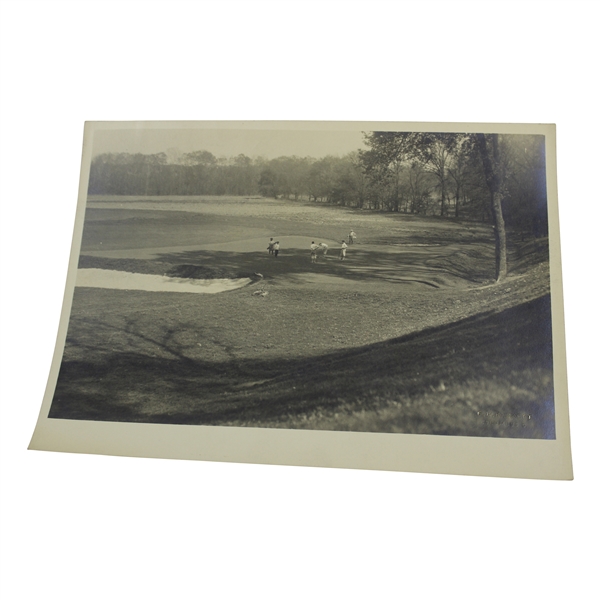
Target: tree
(239, 176)
(349, 181)
(458, 169)
(321, 178)
(419, 187)
(199, 157)
(526, 209)
(383, 163)
(292, 175)
(438, 152)
(495, 171)
(200, 176)
(128, 174)
(267, 183)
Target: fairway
(407, 334)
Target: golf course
(409, 334)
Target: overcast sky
(229, 142)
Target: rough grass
(444, 380)
(488, 379)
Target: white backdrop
(91, 527)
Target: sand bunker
(121, 280)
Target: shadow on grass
(468, 378)
(360, 263)
(432, 269)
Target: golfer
(313, 252)
(276, 249)
(270, 246)
(343, 250)
(324, 247)
(351, 237)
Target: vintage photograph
(382, 281)
(283, 301)
(319, 277)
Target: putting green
(252, 244)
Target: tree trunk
(500, 236)
(442, 158)
(495, 179)
(456, 201)
(443, 212)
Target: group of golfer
(321, 247)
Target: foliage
(426, 173)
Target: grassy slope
(312, 353)
(434, 381)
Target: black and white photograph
(298, 299)
(341, 277)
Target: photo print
(361, 295)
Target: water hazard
(121, 280)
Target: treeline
(459, 175)
(441, 174)
(196, 174)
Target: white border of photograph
(502, 457)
